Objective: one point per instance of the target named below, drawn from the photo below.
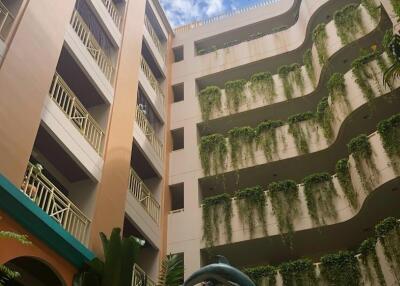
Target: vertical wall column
(25, 76)
(113, 188)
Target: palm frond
(392, 73)
(171, 271)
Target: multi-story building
(218, 137)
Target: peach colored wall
(12, 249)
(25, 76)
(112, 190)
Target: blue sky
(180, 12)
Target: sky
(181, 12)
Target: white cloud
(180, 12)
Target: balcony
(140, 278)
(68, 102)
(148, 130)
(93, 47)
(115, 14)
(6, 21)
(52, 201)
(152, 79)
(139, 190)
(154, 37)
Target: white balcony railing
(114, 12)
(148, 130)
(139, 190)
(154, 37)
(140, 278)
(65, 98)
(93, 47)
(6, 21)
(52, 201)
(152, 79)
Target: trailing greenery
(263, 83)
(216, 210)
(234, 91)
(360, 148)
(319, 37)
(320, 192)
(325, 117)
(285, 202)
(289, 75)
(348, 23)
(368, 256)
(265, 134)
(212, 151)
(364, 72)
(343, 175)
(389, 130)
(388, 233)
(337, 85)
(209, 100)
(308, 63)
(372, 9)
(259, 273)
(297, 132)
(340, 269)
(396, 7)
(241, 144)
(251, 204)
(298, 273)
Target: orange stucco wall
(11, 249)
(25, 76)
(112, 191)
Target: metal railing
(65, 98)
(154, 36)
(53, 202)
(148, 130)
(6, 21)
(93, 47)
(152, 79)
(114, 12)
(139, 190)
(140, 278)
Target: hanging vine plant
(285, 202)
(372, 9)
(298, 272)
(265, 134)
(389, 130)
(396, 7)
(217, 210)
(320, 192)
(209, 100)
(338, 91)
(344, 178)
(263, 83)
(297, 76)
(319, 37)
(325, 117)
(241, 145)
(340, 269)
(308, 63)
(368, 257)
(213, 152)
(288, 89)
(360, 148)
(252, 204)
(234, 91)
(388, 233)
(260, 273)
(348, 22)
(297, 132)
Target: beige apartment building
(257, 135)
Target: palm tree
(171, 271)
(393, 72)
(120, 255)
(6, 274)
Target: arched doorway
(33, 272)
